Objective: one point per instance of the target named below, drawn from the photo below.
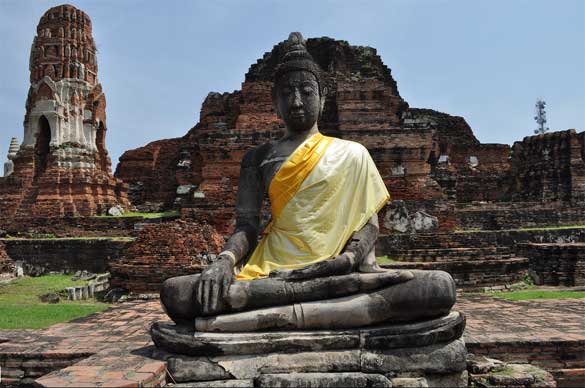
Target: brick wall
(556, 264)
(514, 215)
(72, 226)
(6, 263)
(163, 251)
(64, 255)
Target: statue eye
(307, 90)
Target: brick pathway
(106, 349)
(500, 320)
(103, 349)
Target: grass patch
(170, 213)
(44, 237)
(22, 309)
(555, 227)
(538, 294)
(385, 260)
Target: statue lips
(297, 115)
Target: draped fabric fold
(324, 192)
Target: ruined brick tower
(62, 167)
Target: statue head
(298, 94)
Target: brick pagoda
(62, 167)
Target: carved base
(431, 350)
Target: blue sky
(487, 61)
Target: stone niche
(62, 167)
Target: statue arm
(248, 208)
(216, 279)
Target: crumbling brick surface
(154, 172)
(549, 167)
(6, 263)
(162, 251)
(556, 264)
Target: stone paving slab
(112, 345)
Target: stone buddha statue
(314, 266)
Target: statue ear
(275, 102)
(324, 93)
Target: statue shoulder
(255, 156)
(353, 149)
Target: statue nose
(297, 102)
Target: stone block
(247, 383)
(325, 380)
(441, 358)
(181, 340)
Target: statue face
(297, 100)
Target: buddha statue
(314, 266)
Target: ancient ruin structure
(363, 104)
(62, 167)
(159, 174)
(431, 161)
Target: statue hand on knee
(214, 285)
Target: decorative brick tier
(556, 264)
(471, 275)
(471, 268)
(163, 251)
(64, 255)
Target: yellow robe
(326, 190)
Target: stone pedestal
(430, 352)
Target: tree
(540, 117)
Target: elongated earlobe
(323, 96)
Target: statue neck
(300, 136)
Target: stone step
(570, 378)
(474, 274)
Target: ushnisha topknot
(295, 57)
